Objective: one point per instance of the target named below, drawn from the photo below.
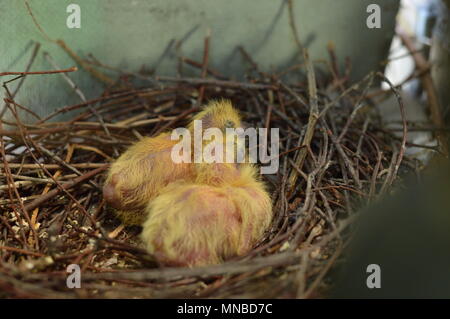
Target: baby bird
(139, 174)
(217, 114)
(220, 215)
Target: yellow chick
(140, 173)
(220, 215)
(217, 114)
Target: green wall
(129, 34)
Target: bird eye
(229, 124)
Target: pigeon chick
(222, 214)
(140, 173)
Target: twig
(428, 85)
(83, 178)
(313, 117)
(72, 69)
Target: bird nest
(335, 156)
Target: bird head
(218, 114)
(228, 166)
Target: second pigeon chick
(220, 215)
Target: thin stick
(313, 117)
(428, 85)
(72, 69)
(201, 90)
(83, 178)
(405, 126)
(95, 73)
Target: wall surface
(136, 33)
(440, 58)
